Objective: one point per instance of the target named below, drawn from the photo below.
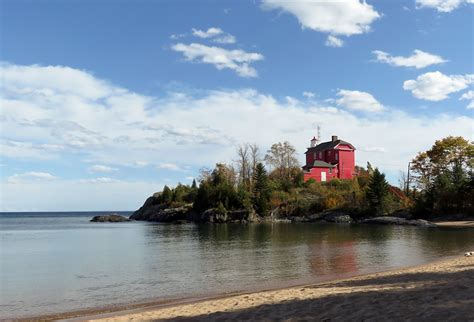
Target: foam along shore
(437, 291)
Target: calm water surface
(60, 262)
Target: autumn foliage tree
(443, 176)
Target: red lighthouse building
(329, 160)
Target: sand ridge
(438, 291)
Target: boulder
(110, 218)
(388, 220)
(337, 217)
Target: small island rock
(110, 218)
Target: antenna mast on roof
(319, 133)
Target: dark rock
(110, 218)
(388, 220)
(337, 217)
(235, 216)
(161, 213)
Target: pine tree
(378, 193)
(261, 191)
(167, 195)
(194, 185)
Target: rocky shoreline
(154, 211)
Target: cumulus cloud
(206, 125)
(333, 41)
(419, 59)
(30, 176)
(342, 17)
(309, 94)
(357, 100)
(102, 168)
(468, 96)
(209, 33)
(435, 86)
(236, 60)
(442, 5)
(216, 34)
(225, 39)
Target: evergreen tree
(194, 185)
(167, 195)
(378, 193)
(261, 191)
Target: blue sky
(104, 102)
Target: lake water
(60, 262)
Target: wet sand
(441, 290)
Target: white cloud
(206, 125)
(441, 5)
(209, 33)
(170, 166)
(468, 96)
(226, 39)
(419, 59)
(309, 94)
(333, 41)
(342, 17)
(177, 36)
(217, 35)
(102, 168)
(236, 60)
(435, 86)
(30, 176)
(99, 180)
(356, 100)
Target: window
(329, 152)
(330, 170)
(337, 156)
(314, 155)
(320, 155)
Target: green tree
(167, 195)
(443, 177)
(451, 154)
(261, 191)
(378, 193)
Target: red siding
(315, 173)
(346, 164)
(343, 156)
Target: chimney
(334, 138)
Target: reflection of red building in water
(326, 259)
(329, 160)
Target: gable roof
(328, 145)
(322, 164)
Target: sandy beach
(458, 224)
(437, 291)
